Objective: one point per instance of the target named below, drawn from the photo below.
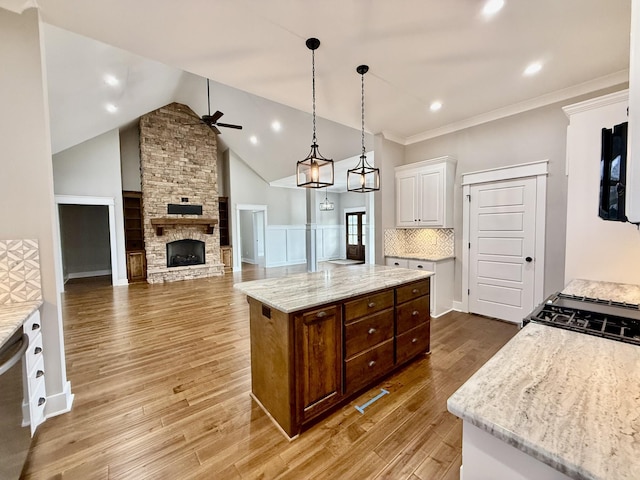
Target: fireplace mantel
(160, 223)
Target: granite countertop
(568, 399)
(617, 292)
(297, 292)
(423, 256)
(13, 315)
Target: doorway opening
(251, 221)
(356, 237)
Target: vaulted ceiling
(419, 51)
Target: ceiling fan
(212, 120)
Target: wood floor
(161, 380)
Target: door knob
(528, 259)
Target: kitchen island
(319, 338)
(552, 404)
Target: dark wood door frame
(355, 236)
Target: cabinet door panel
(413, 342)
(368, 332)
(319, 361)
(431, 211)
(411, 314)
(406, 192)
(362, 369)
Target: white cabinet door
(431, 213)
(406, 193)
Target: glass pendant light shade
(315, 171)
(326, 205)
(363, 178)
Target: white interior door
(502, 233)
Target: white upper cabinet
(424, 193)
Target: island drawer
(367, 305)
(411, 314)
(413, 342)
(369, 365)
(414, 290)
(368, 332)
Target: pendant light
(363, 178)
(315, 171)
(326, 205)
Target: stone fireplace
(178, 157)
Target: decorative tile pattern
(19, 271)
(429, 242)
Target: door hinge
(469, 244)
(468, 197)
(468, 291)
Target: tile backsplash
(428, 241)
(19, 271)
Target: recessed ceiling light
(276, 126)
(253, 139)
(435, 106)
(111, 80)
(492, 7)
(111, 108)
(532, 69)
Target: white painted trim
(539, 171)
(607, 81)
(94, 273)
(237, 240)
(426, 163)
(457, 306)
(506, 173)
(82, 200)
(59, 403)
(593, 103)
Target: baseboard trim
(122, 282)
(457, 306)
(92, 273)
(59, 403)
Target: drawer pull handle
(321, 314)
(35, 326)
(420, 266)
(41, 401)
(414, 340)
(396, 264)
(372, 304)
(415, 313)
(372, 331)
(37, 350)
(415, 290)
(372, 363)
(39, 373)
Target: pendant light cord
(362, 76)
(313, 88)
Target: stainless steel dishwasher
(14, 438)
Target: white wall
(92, 169)
(596, 249)
(26, 182)
(247, 237)
(130, 158)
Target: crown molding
(592, 103)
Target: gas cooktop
(603, 318)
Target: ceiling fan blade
(215, 129)
(212, 118)
(229, 125)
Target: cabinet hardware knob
(372, 304)
(415, 290)
(414, 340)
(39, 373)
(529, 259)
(420, 266)
(35, 326)
(41, 401)
(37, 350)
(415, 313)
(321, 314)
(396, 264)
(372, 331)
(372, 363)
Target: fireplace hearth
(185, 252)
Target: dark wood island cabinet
(319, 338)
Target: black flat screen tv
(613, 173)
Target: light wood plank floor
(161, 380)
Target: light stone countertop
(567, 399)
(617, 292)
(300, 291)
(422, 256)
(13, 315)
